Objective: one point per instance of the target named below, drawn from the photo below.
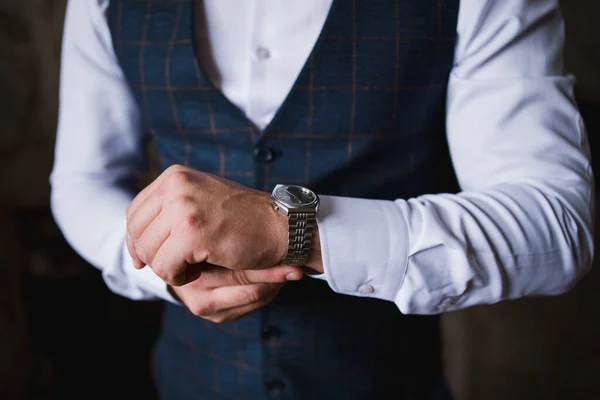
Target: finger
(276, 274)
(215, 277)
(142, 196)
(137, 263)
(225, 298)
(234, 314)
(153, 237)
(146, 212)
(151, 188)
(171, 260)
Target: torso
(364, 118)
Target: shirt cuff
(364, 246)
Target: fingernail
(292, 276)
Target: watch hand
(292, 195)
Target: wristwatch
(300, 205)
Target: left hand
(224, 295)
(189, 217)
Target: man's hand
(188, 217)
(224, 295)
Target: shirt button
(366, 289)
(263, 54)
(264, 154)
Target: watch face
(295, 195)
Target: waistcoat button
(275, 386)
(264, 154)
(270, 333)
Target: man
(364, 100)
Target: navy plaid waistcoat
(365, 118)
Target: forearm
(521, 227)
(98, 153)
(445, 252)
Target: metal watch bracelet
(300, 228)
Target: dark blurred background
(63, 334)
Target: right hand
(188, 217)
(223, 295)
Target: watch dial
(295, 195)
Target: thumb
(276, 274)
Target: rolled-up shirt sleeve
(98, 153)
(522, 224)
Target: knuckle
(219, 319)
(175, 168)
(239, 277)
(178, 179)
(162, 271)
(161, 275)
(211, 306)
(203, 308)
(190, 222)
(249, 296)
(157, 266)
(142, 252)
(201, 253)
(198, 310)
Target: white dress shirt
(521, 226)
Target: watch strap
(300, 229)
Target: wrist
(278, 226)
(280, 233)
(281, 226)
